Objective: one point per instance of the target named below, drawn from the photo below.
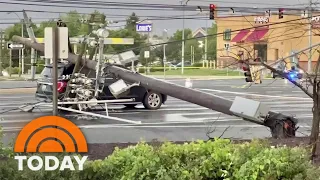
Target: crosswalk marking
(173, 111)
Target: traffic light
(281, 13)
(212, 8)
(247, 72)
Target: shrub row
(220, 159)
(14, 70)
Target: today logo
(50, 134)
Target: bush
(14, 70)
(219, 159)
(203, 160)
(39, 69)
(197, 64)
(141, 70)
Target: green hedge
(198, 64)
(14, 70)
(220, 159)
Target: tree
(39, 31)
(72, 19)
(173, 50)
(139, 40)
(212, 43)
(198, 52)
(131, 22)
(313, 81)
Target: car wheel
(130, 105)
(152, 100)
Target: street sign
(15, 46)
(144, 27)
(61, 39)
(227, 46)
(146, 54)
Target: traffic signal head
(212, 8)
(247, 72)
(281, 13)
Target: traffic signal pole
(281, 126)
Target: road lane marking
(249, 94)
(102, 126)
(217, 119)
(15, 97)
(154, 125)
(273, 91)
(179, 126)
(14, 121)
(291, 105)
(18, 90)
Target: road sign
(146, 54)
(144, 27)
(61, 39)
(15, 46)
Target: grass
(199, 72)
(11, 78)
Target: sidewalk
(15, 77)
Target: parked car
(186, 64)
(150, 99)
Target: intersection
(176, 119)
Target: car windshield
(48, 72)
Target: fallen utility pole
(282, 126)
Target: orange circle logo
(51, 134)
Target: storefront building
(266, 37)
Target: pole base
(281, 126)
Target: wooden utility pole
(1, 59)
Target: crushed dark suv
(150, 99)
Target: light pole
(165, 36)
(206, 43)
(1, 39)
(183, 43)
(21, 51)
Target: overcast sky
(158, 25)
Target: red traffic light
(281, 9)
(212, 6)
(245, 67)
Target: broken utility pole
(282, 126)
(315, 94)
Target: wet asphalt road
(176, 120)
